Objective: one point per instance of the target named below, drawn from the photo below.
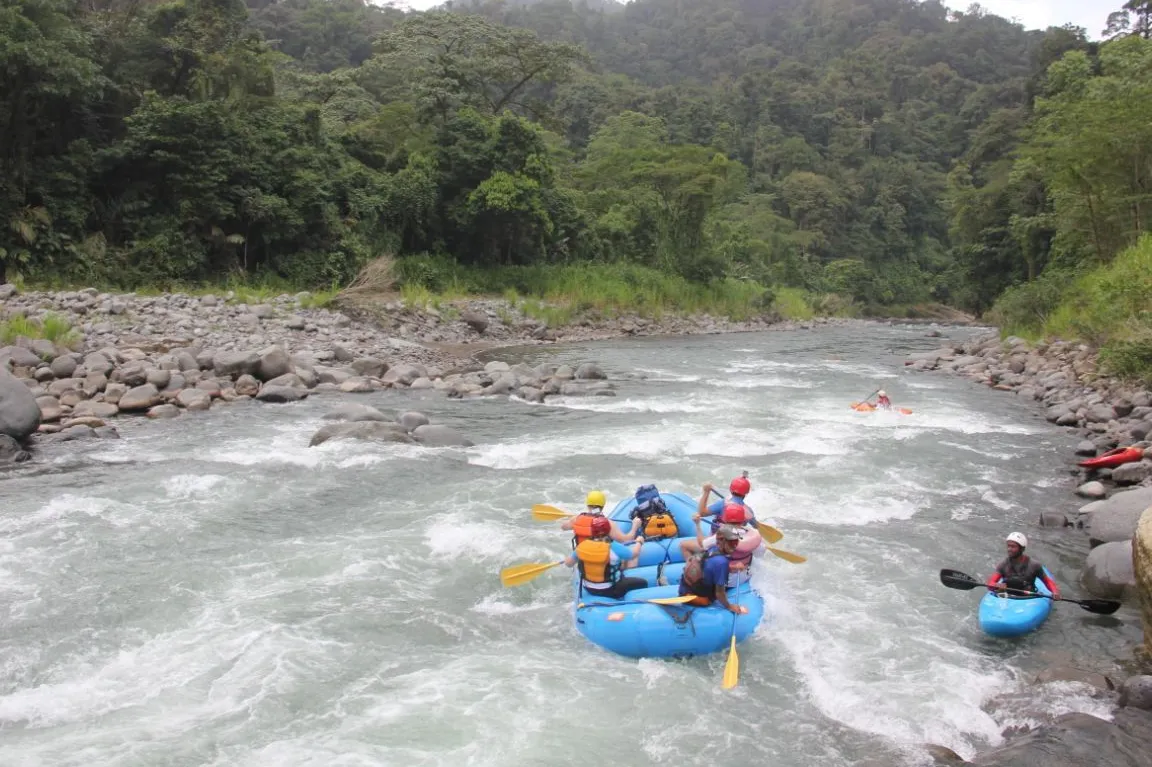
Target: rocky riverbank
(1063, 378)
(166, 355)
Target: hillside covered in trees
(878, 151)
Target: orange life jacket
(582, 527)
(595, 558)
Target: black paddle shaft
(954, 579)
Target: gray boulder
(1115, 519)
(370, 430)
(140, 398)
(281, 394)
(353, 411)
(19, 413)
(1108, 573)
(274, 362)
(589, 371)
(233, 364)
(1136, 692)
(440, 436)
(412, 420)
(1132, 473)
(1078, 740)
(369, 366)
(11, 452)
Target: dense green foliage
(887, 151)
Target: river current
(213, 592)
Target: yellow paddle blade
(788, 556)
(542, 512)
(518, 575)
(672, 600)
(731, 667)
(769, 533)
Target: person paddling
(882, 400)
(600, 560)
(738, 488)
(706, 572)
(581, 524)
(1019, 571)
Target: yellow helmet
(596, 498)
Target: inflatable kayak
(1014, 616)
(637, 629)
(868, 407)
(1113, 458)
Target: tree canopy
(891, 151)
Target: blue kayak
(1014, 616)
(638, 629)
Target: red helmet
(740, 486)
(601, 527)
(733, 514)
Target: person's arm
(566, 524)
(702, 506)
(994, 581)
(622, 537)
(570, 560)
(699, 532)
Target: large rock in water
(1142, 565)
(352, 411)
(1115, 519)
(1079, 740)
(374, 430)
(19, 413)
(440, 436)
(1109, 571)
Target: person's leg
(624, 585)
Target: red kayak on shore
(1113, 458)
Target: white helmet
(1018, 539)
(881, 393)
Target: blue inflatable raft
(635, 629)
(1014, 616)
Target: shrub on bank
(1109, 306)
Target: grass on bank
(1109, 306)
(51, 327)
(558, 293)
(555, 294)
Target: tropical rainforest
(866, 152)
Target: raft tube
(1113, 458)
(1014, 616)
(637, 629)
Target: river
(214, 592)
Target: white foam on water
(685, 404)
(916, 690)
(760, 382)
(193, 486)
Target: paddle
(518, 575)
(954, 579)
(542, 512)
(769, 533)
(658, 601)
(732, 665)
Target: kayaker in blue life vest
(1019, 571)
(706, 573)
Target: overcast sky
(1033, 14)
